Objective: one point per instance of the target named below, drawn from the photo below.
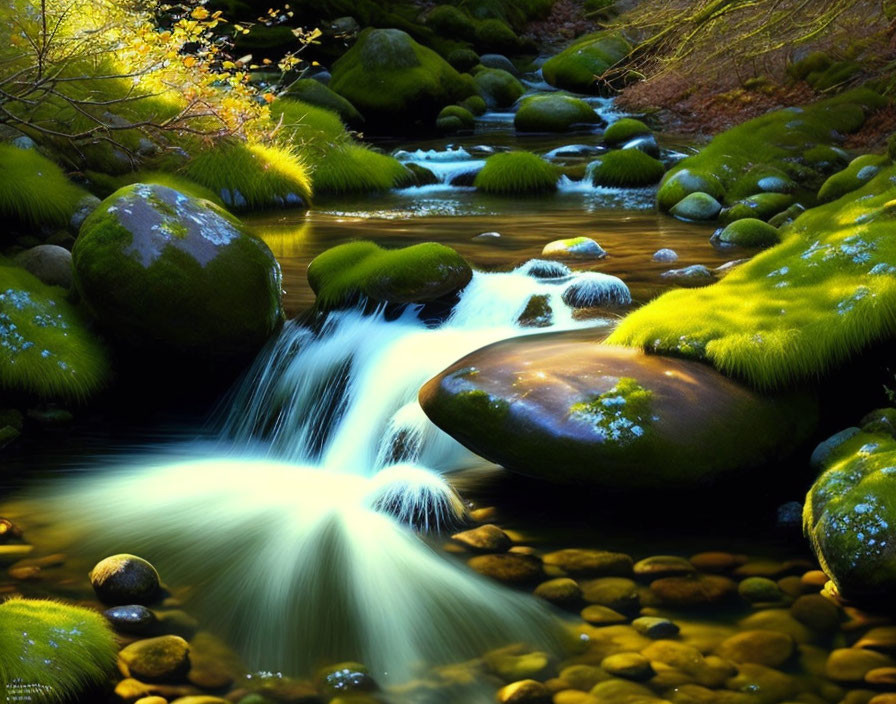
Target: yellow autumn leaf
(199, 13)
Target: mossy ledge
(796, 311)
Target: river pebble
(125, 579)
(486, 538)
(590, 563)
(162, 659)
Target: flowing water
(287, 526)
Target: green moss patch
(860, 170)
(793, 312)
(34, 191)
(454, 118)
(578, 67)
(46, 350)
(749, 232)
(777, 140)
(553, 113)
(498, 87)
(251, 176)
(352, 168)
(517, 173)
(627, 167)
(316, 93)
(50, 652)
(621, 414)
(356, 271)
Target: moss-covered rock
(762, 206)
(749, 232)
(837, 74)
(793, 312)
(860, 170)
(316, 93)
(498, 88)
(356, 271)
(553, 113)
(463, 59)
(34, 192)
(761, 179)
(578, 66)
(626, 168)
(813, 62)
(697, 207)
(451, 22)
(475, 104)
(850, 516)
(516, 173)
(251, 176)
(825, 158)
(391, 79)
(777, 140)
(162, 270)
(495, 35)
(608, 416)
(46, 348)
(353, 168)
(454, 118)
(624, 130)
(50, 652)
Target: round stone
(125, 579)
(655, 627)
(132, 619)
(485, 539)
(662, 566)
(693, 591)
(852, 664)
(511, 568)
(759, 589)
(665, 255)
(574, 248)
(769, 648)
(524, 692)
(590, 563)
(617, 593)
(49, 263)
(816, 612)
(598, 615)
(162, 659)
(717, 561)
(630, 666)
(562, 591)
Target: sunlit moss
(626, 167)
(34, 191)
(50, 652)
(105, 185)
(352, 168)
(516, 172)
(251, 176)
(860, 170)
(625, 130)
(795, 311)
(302, 123)
(553, 113)
(576, 67)
(45, 349)
(312, 92)
(621, 414)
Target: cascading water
(292, 539)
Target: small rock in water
(662, 566)
(512, 568)
(728, 267)
(487, 538)
(545, 269)
(645, 143)
(665, 255)
(630, 666)
(488, 236)
(852, 664)
(590, 563)
(49, 263)
(125, 579)
(164, 659)
(562, 591)
(524, 692)
(598, 615)
(716, 561)
(768, 648)
(537, 313)
(759, 589)
(655, 627)
(617, 593)
(592, 288)
(693, 591)
(133, 619)
(574, 248)
(694, 275)
(823, 615)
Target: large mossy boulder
(50, 652)
(859, 171)
(362, 272)
(578, 67)
(624, 130)
(517, 173)
(553, 113)
(161, 270)
(748, 232)
(392, 80)
(567, 409)
(47, 350)
(626, 168)
(795, 312)
(316, 93)
(850, 515)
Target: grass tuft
(517, 173)
(51, 652)
(352, 168)
(626, 168)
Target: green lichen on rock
(50, 652)
(553, 113)
(625, 130)
(46, 349)
(454, 118)
(316, 93)
(850, 516)
(762, 206)
(34, 192)
(357, 271)
(497, 87)
(578, 66)
(749, 232)
(388, 76)
(777, 140)
(860, 170)
(353, 168)
(159, 269)
(793, 312)
(697, 207)
(251, 176)
(626, 168)
(621, 414)
(516, 173)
